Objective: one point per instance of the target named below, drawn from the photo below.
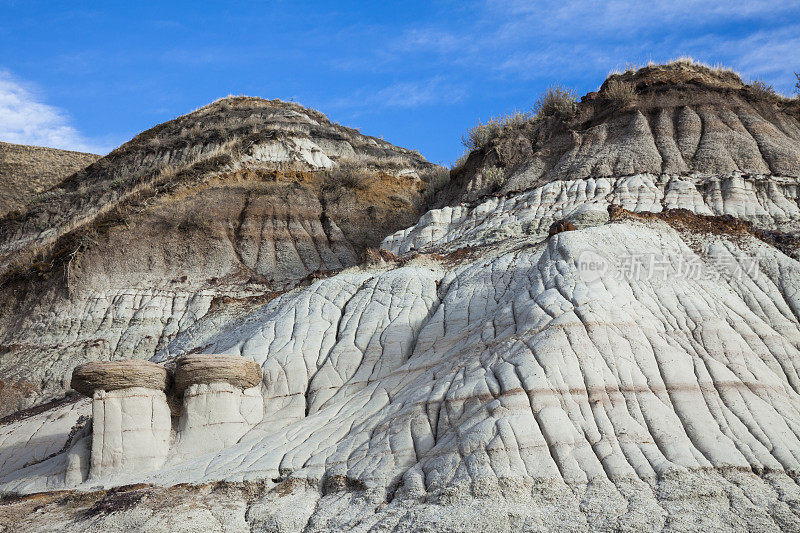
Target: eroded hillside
(674, 120)
(27, 171)
(615, 347)
(235, 200)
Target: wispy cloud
(559, 39)
(405, 94)
(762, 54)
(25, 119)
(418, 93)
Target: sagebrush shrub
(557, 102)
(460, 162)
(493, 178)
(762, 90)
(478, 136)
(435, 180)
(481, 134)
(622, 93)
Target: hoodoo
(221, 401)
(130, 416)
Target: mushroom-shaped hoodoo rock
(221, 402)
(131, 420)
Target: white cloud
(25, 119)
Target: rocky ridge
(679, 119)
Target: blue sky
(89, 76)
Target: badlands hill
(662, 120)
(634, 367)
(26, 171)
(236, 200)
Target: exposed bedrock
(507, 389)
(230, 202)
(639, 372)
(197, 369)
(769, 202)
(677, 126)
(215, 415)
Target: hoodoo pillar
(221, 401)
(131, 419)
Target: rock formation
(197, 369)
(221, 402)
(130, 419)
(89, 378)
(236, 201)
(560, 226)
(130, 432)
(640, 372)
(685, 119)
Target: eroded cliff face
(612, 352)
(505, 382)
(683, 120)
(240, 198)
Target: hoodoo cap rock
(205, 368)
(114, 375)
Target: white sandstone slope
(769, 202)
(507, 388)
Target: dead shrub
(345, 177)
(435, 180)
(622, 93)
(762, 90)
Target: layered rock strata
(197, 369)
(640, 372)
(89, 378)
(504, 387)
(682, 119)
(768, 202)
(231, 202)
